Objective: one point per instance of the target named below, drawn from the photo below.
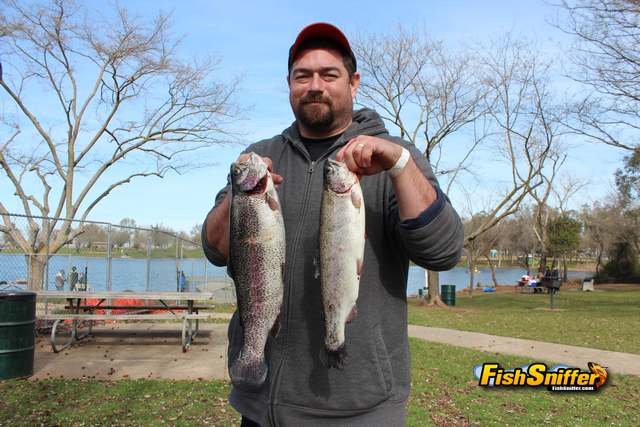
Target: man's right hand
(217, 230)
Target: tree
(606, 55)
(601, 226)
(97, 102)
(89, 235)
(628, 179)
(564, 237)
(431, 95)
(526, 132)
(519, 238)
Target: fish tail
(336, 358)
(247, 373)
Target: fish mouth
(260, 186)
(338, 178)
(341, 189)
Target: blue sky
(252, 38)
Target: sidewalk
(620, 363)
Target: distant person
(183, 282)
(60, 280)
(524, 280)
(73, 279)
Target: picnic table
(173, 305)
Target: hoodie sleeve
(434, 239)
(212, 254)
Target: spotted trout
(256, 264)
(342, 238)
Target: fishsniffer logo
(538, 375)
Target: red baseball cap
(321, 30)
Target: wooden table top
(195, 296)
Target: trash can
(17, 333)
(448, 294)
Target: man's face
(320, 91)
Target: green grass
(444, 392)
(608, 319)
(126, 402)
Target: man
(407, 218)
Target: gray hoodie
(373, 387)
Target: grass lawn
(605, 319)
(444, 393)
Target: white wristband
(396, 169)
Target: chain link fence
(54, 254)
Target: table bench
(190, 319)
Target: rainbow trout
(256, 264)
(342, 238)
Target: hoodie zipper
(275, 386)
(276, 379)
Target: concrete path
(621, 363)
(152, 350)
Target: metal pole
(177, 266)
(109, 258)
(148, 283)
(69, 271)
(46, 265)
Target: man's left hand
(369, 155)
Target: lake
(131, 274)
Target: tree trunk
(598, 260)
(433, 289)
(564, 269)
(36, 264)
(493, 272)
(543, 263)
(472, 266)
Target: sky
(252, 39)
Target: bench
(190, 325)
(190, 319)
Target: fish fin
(272, 202)
(248, 374)
(356, 199)
(275, 329)
(352, 314)
(337, 358)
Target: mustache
(315, 97)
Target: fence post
(148, 283)
(177, 266)
(109, 257)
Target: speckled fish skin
(342, 239)
(256, 263)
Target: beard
(315, 113)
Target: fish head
(337, 176)
(250, 175)
(600, 372)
